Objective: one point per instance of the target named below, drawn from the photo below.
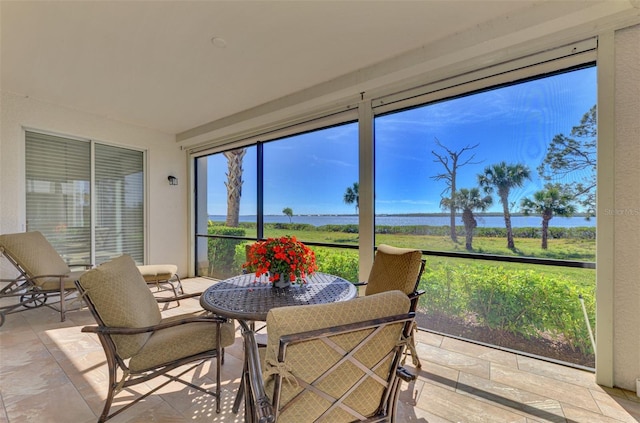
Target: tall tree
(351, 195)
(575, 155)
(451, 161)
(549, 202)
(467, 201)
(234, 185)
(503, 177)
(287, 211)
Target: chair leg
(219, 357)
(62, 295)
(179, 282)
(112, 391)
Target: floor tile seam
(547, 377)
(598, 403)
(474, 357)
(575, 404)
(507, 407)
(67, 376)
(616, 400)
(582, 386)
(562, 404)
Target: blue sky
(310, 172)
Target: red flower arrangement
(281, 256)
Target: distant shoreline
(493, 214)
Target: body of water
(441, 220)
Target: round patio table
(244, 299)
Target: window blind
(58, 193)
(119, 203)
(59, 202)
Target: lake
(440, 220)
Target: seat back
(33, 255)
(118, 296)
(335, 362)
(395, 269)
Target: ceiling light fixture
(219, 42)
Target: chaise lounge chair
(42, 274)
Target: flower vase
(283, 282)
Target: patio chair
(42, 274)
(401, 269)
(334, 362)
(141, 345)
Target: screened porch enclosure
(479, 181)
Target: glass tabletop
(242, 297)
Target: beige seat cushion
(181, 341)
(53, 284)
(394, 268)
(122, 299)
(158, 272)
(311, 359)
(36, 256)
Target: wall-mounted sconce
(173, 180)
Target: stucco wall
(626, 336)
(167, 212)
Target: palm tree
(552, 201)
(503, 177)
(234, 185)
(351, 195)
(466, 201)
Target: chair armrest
(259, 397)
(416, 294)
(178, 297)
(132, 331)
(405, 375)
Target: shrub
(525, 302)
(222, 252)
(340, 262)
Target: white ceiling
(153, 63)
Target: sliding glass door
(60, 174)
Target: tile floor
(51, 372)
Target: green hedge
(222, 252)
(524, 302)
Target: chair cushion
(35, 255)
(158, 272)
(122, 299)
(173, 343)
(311, 359)
(394, 268)
(53, 284)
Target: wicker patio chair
(138, 343)
(42, 274)
(334, 362)
(398, 268)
